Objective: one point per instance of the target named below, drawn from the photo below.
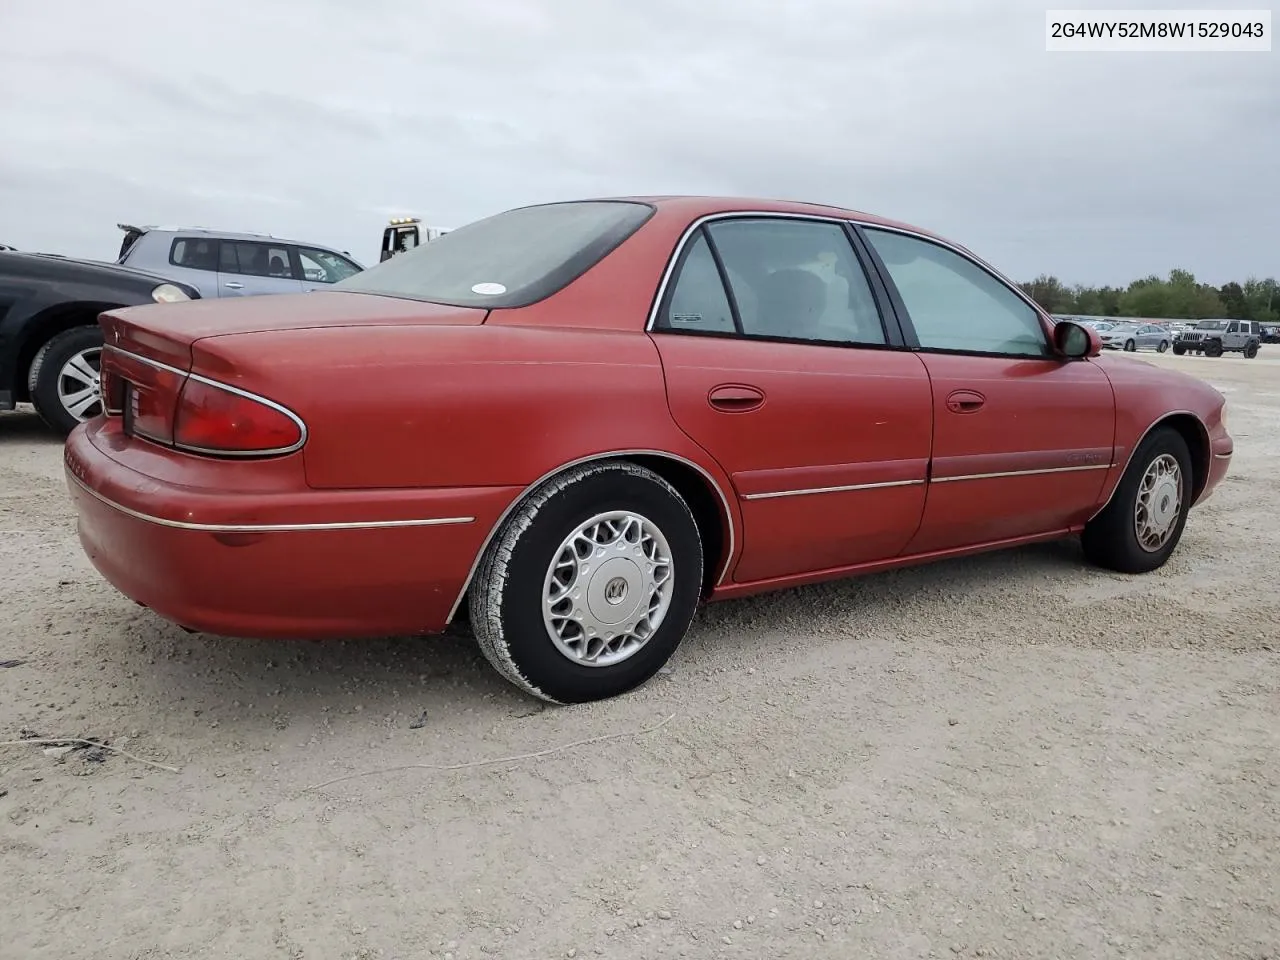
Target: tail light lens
(149, 402)
(167, 405)
(112, 391)
(222, 421)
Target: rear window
(509, 260)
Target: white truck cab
(402, 234)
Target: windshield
(1211, 325)
(509, 260)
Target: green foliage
(1176, 297)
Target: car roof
(696, 206)
(230, 235)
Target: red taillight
(112, 391)
(212, 419)
(149, 404)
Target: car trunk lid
(165, 332)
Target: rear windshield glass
(508, 260)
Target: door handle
(735, 398)
(965, 401)
(233, 285)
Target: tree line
(1179, 297)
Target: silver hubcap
(608, 588)
(80, 384)
(1159, 503)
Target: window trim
(895, 319)
(889, 321)
(735, 311)
(181, 238)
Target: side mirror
(1076, 341)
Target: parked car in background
(582, 437)
(50, 341)
(1271, 334)
(1136, 336)
(234, 264)
(1213, 338)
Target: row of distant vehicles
(1210, 338)
(50, 341)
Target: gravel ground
(1010, 756)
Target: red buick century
(579, 420)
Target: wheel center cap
(615, 591)
(1163, 504)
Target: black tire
(1164, 345)
(1179, 349)
(46, 372)
(1130, 346)
(1110, 539)
(507, 594)
(1213, 348)
(1251, 349)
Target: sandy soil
(1013, 756)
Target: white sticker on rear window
(489, 289)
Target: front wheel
(590, 585)
(1138, 530)
(1130, 346)
(1179, 349)
(1213, 348)
(1164, 345)
(65, 378)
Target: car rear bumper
(301, 565)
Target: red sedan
(581, 419)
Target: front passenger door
(1022, 438)
(323, 267)
(250, 267)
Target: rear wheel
(1251, 349)
(590, 585)
(1141, 526)
(65, 379)
(1164, 345)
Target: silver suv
(222, 264)
(1213, 338)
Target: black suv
(50, 341)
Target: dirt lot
(1013, 756)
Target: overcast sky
(319, 119)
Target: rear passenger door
(194, 260)
(251, 267)
(779, 364)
